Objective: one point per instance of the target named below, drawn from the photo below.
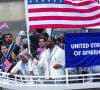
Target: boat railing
(79, 81)
(6, 78)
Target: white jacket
(48, 61)
(24, 68)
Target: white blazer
(48, 60)
(24, 68)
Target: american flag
(8, 65)
(62, 13)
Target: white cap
(22, 33)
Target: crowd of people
(47, 56)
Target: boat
(65, 82)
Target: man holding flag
(6, 61)
(52, 59)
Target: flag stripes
(71, 14)
(61, 26)
(8, 65)
(63, 18)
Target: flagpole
(28, 41)
(27, 24)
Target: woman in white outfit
(24, 65)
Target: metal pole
(27, 23)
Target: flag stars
(54, 0)
(48, 0)
(42, 0)
(45, 1)
(60, 0)
(37, 1)
(30, 1)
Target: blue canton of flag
(45, 1)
